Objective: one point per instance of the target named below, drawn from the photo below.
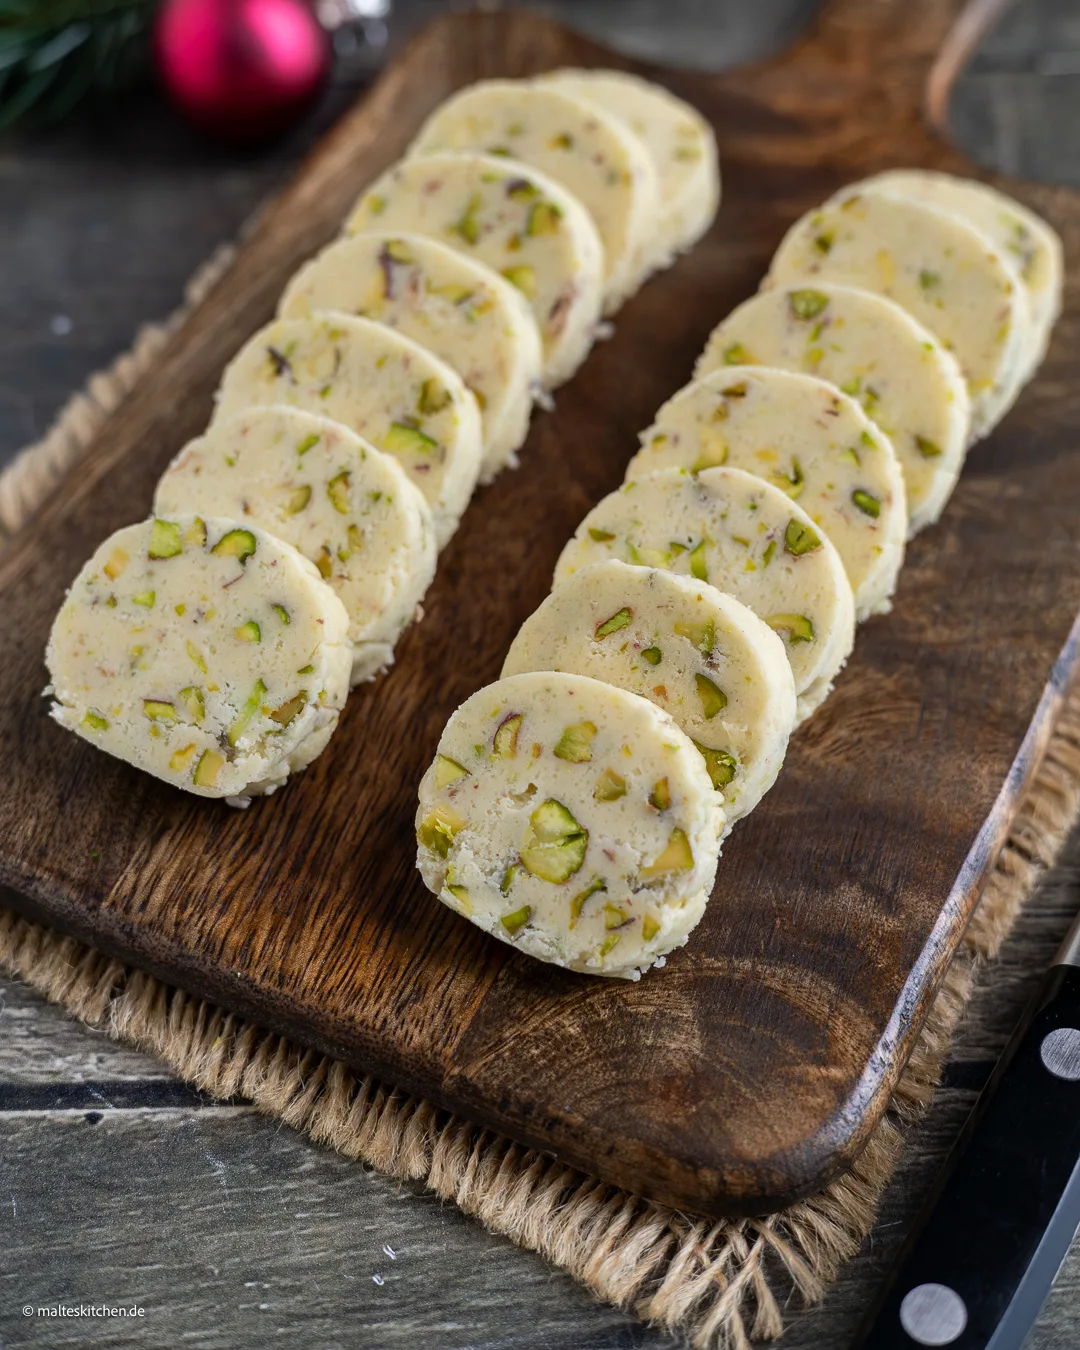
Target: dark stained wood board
(751, 1069)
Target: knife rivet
(933, 1314)
(1060, 1053)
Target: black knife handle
(985, 1249)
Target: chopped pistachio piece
(282, 613)
(298, 499)
(524, 278)
(290, 709)
(403, 439)
(614, 916)
(721, 766)
(437, 830)
(620, 619)
(792, 483)
(713, 699)
(736, 355)
(165, 540)
(867, 503)
(467, 225)
(461, 895)
(927, 448)
(308, 443)
(504, 744)
(145, 599)
(660, 796)
(795, 627)
(434, 397)
(653, 655)
(338, 491)
(207, 769)
(95, 721)
(555, 844)
(807, 304)
(577, 904)
(601, 536)
(118, 560)
(194, 703)
(610, 786)
(800, 538)
(543, 218)
(699, 569)
(575, 744)
(239, 544)
(158, 711)
(249, 632)
(676, 857)
(246, 713)
(649, 928)
(701, 633)
(448, 771)
(517, 920)
(508, 878)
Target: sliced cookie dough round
(348, 508)
(873, 351)
(577, 144)
(808, 439)
(700, 655)
(944, 272)
(203, 651)
(517, 221)
(572, 820)
(743, 536)
(470, 317)
(1024, 238)
(680, 141)
(376, 382)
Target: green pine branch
(53, 53)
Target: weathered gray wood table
(119, 1184)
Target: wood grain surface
(751, 1069)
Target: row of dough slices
(706, 607)
(214, 644)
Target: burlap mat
(719, 1284)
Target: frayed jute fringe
(721, 1284)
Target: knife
(1005, 1207)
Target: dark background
(118, 1184)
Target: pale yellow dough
(945, 273)
(346, 506)
(460, 310)
(743, 536)
(700, 655)
(806, 438)
(576, 143)
(572, 820)
(874, 351)
(202, 651)
(514, 219)
(382, 385)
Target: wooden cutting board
(750, 1070)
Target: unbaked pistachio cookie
(592, 154)
(808, 439)
(680, 141)
(514, 219)
(346, 506)
(206, 652)
(700, 655)
(874, 351)
(1026, 240)
(944, 272)
(743, 536)
(466, 314)
(376, 382)
(571, 819)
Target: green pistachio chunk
(504, 744)
(514, 922)
(508, 878)
(298, 499)
(800, 539)
(145, 599)
(239, 544)
(867, 503)
(927, 448)
(575, 744)
(676, 857)
(246, 713)
(600, 536)
(282, 613)
(649, 928)
(207, 769)
(792, 483)
(702, 635)
(158, 711)
(165, 539)
(543, 218)
(193, 702)
(554, 845)
(614, 916)
(653, 655)
(434, 397)
(620, 619)
(713, 699)
(577, 904)
(793, 627)
(736, 355)
(448, 771)
(699, 569)
(249, 632)
(290, 709)
(95, 721)
(660, 796)
(437, 830)
(467, 226)
(461, 895)
(523, 277)
(402, 439)
(610, 786)
(338, 491)
(807, 304)
(720, 764)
